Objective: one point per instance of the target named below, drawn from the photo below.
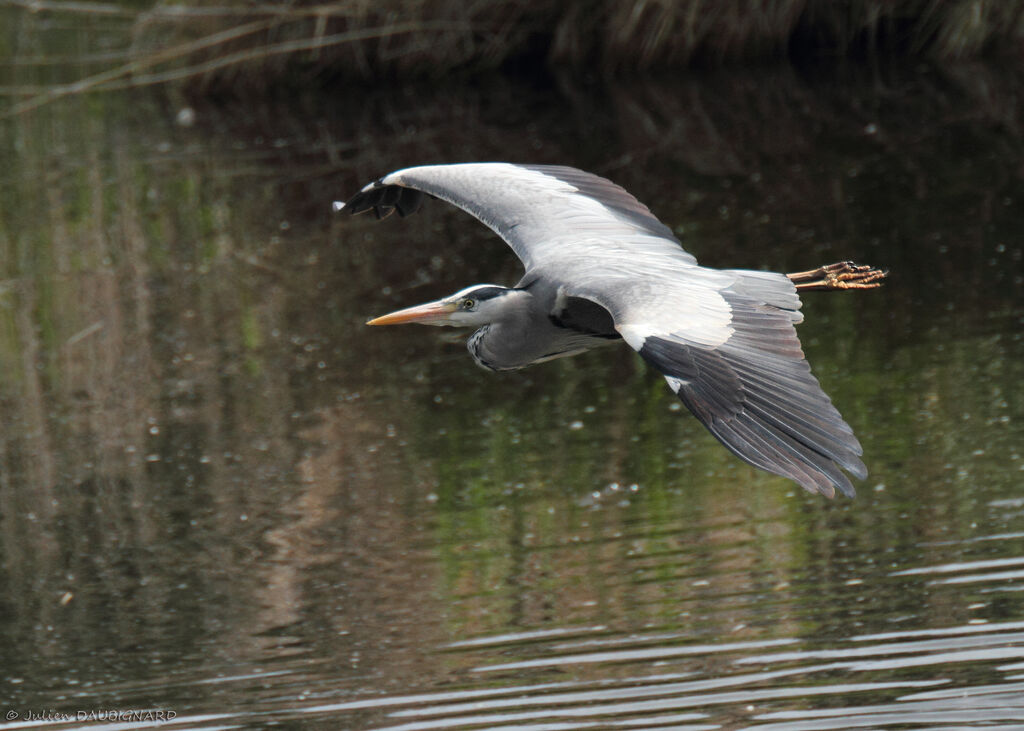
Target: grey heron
(600, 268)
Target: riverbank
(250, 48)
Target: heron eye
(468, 304)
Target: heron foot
(841, 275)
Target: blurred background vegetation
(235, 45)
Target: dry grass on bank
(379, 38)
(251, 45)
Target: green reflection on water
(207, 459)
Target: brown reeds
(428, 38)
(248, 46)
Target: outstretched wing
(540, 210)
(755, 392)
(724, 339)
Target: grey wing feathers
(542, 211)
(610, 195)
(756, 394)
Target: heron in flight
(601, 268)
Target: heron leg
(841, 275)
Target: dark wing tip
(383, 200)
(782, 423)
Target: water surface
(222, 496)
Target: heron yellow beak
(432, 313)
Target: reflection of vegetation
(181, 347)
(695, 513)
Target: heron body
(601, 268)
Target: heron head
(473, 306)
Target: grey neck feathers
(524, 334)
(504, 343)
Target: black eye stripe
(485, 293)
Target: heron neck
(505, 342)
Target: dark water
(223, 497)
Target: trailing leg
(841, 275)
